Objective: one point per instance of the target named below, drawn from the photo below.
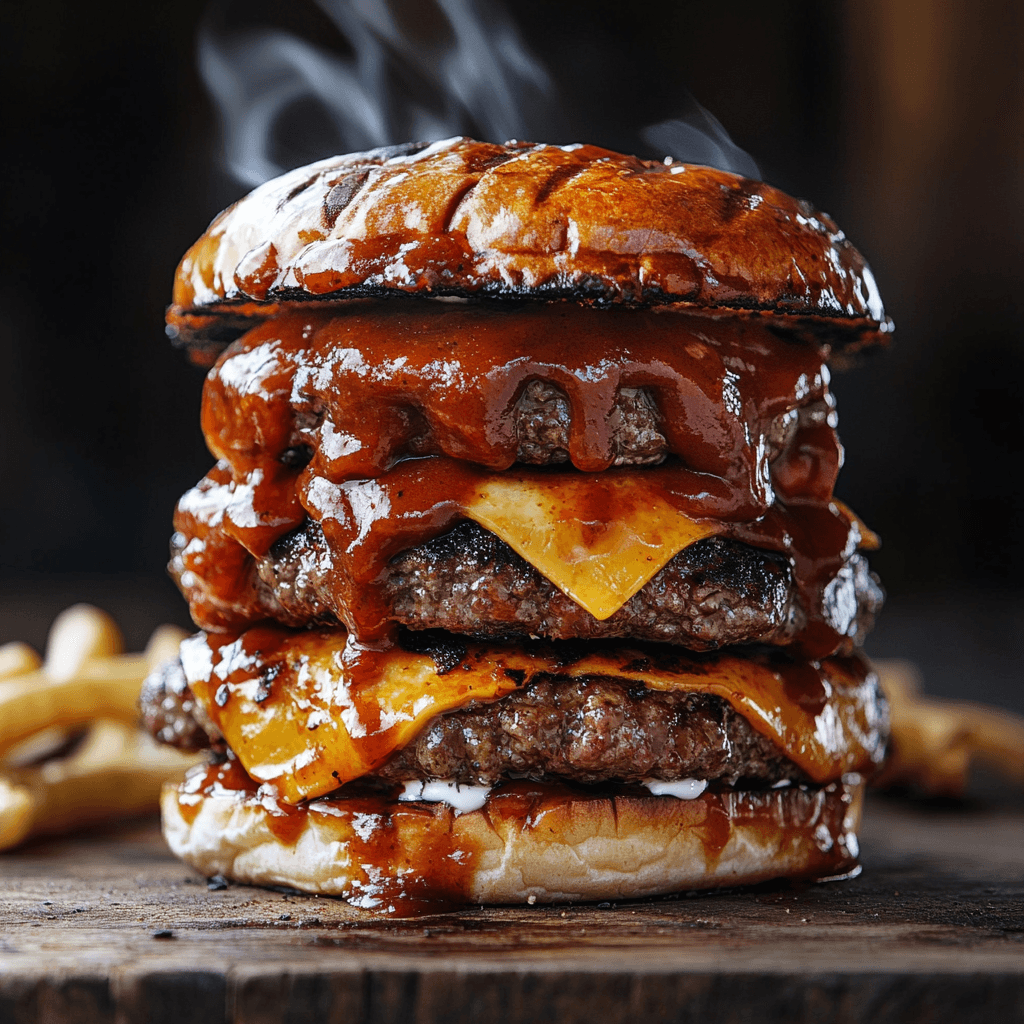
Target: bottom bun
(530, 842)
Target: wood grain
(932, 931)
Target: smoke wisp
(404, 70)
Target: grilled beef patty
(714, 593)
(592, 730)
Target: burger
(519, 576)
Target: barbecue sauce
(382, 420)
(404, 860)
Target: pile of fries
(71, 752)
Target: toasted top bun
(466, 218)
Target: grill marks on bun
(525, 221)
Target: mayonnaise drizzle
(684, 789)
(441, 791)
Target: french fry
(79, 634)
(83, 678)
(935, 742)
(116, 771)
(85, 682)
(17, 659)
(39, 746)
(102, 688)
(16, 813)
(163, 645)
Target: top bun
(466, 218)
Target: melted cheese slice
(297, 718)
(598, 537)
(288, 708)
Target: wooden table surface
(109, 927)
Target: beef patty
(592, 730)
(585, 730)
(171, 714)
(543, 418)
(714, 593)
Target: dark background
(903, 118)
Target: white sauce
(684, 789)
(462, 798)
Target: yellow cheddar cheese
(598, 537)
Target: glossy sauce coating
(461, 217)
(405, 865)
(384, 421)
(404, 409)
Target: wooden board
(933, 931)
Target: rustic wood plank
(259, 996)
(932, 931)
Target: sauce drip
(366, 386)
(400, 411)
(402, 863)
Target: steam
(418, 71)
(702, 139)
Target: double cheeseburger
(519, 576)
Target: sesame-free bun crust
(468, 218)
(550, 842)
